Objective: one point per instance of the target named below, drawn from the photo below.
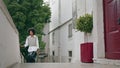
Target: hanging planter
(85, 23)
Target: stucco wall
(54, 47)
(9, 40)
(66, 10)
(54, 14)
(63, 43)
(61, 13)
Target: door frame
(98, 30)
(104, 17)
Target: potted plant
(85, 24)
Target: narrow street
(63, 65)
(65, 33)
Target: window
(69, 59)
(70, 30)
(70, 56)
(53, 53)
(70, 53)
(53, 38)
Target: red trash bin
(87, 52)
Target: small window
(70, 53)
(70, 30)
(53, 53)
(69, 59)
(53, 38)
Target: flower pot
(87, 52)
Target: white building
(65, 40)
(9, 39)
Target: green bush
(85, 23)
(43, 44)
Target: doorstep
(106, 61)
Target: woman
(33, 45)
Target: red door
(112, 28)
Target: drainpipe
(59, 21)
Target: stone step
(63, 65)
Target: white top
(32, 42)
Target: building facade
(65, 40)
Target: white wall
(61, 12)
(54, 14)
(54, 5)
(84, 6)
(54, 47)
(68, 44)
(66, 10)
(9, 40)
(78, 38)
(81, 8)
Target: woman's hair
(31, 29)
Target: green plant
(27, 14)
(43, 44)
(85, 23)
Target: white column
(98, 29)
